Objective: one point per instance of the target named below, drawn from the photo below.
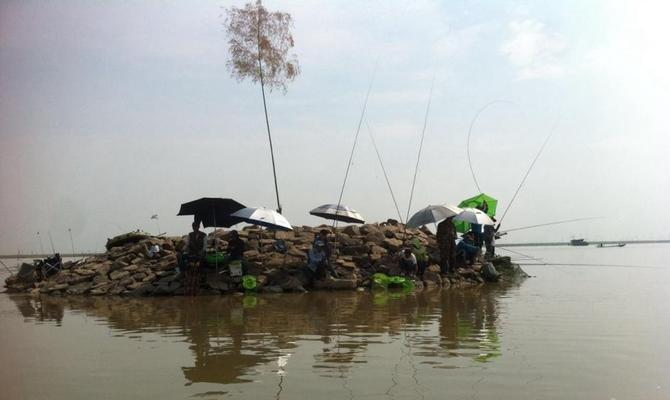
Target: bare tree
(259, 43)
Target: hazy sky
(113, 111)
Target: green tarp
(476, 202)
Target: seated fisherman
(408, 264)
(323, 236)
(194, 247)
(317, 261)
(466, 250)
(236, 246)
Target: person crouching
(408, 264)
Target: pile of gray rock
(132, 270)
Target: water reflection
(237, 339)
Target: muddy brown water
(588, 331)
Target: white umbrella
(264, 217)
(474, 216)
(338, 212)
(432, 214)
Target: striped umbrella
(338, 212)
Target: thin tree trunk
(267, 120)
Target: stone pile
(363, 250)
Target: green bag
(419, 250)
(380, 280)
(249, 282)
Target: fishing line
(595, 265)
(552, 223)
(353, 148)
(52, 243)
(537, 156)
(519, 253)
(472, 123)
(6, 267)
(418, 157)
(379, 157)
(40, 239)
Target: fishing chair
(49, 266)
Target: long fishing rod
(537, 156)
(594, 265)
(550, 223)
(353, 148)
(472, 124)
(379, 157)
(52, 243)
(418, 157)
(519, 253)
(40, 240)
(6, 267)
(69, 231)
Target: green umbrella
(477, 202)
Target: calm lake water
(589, 331)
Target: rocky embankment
(131, 270)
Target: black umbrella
(213, 211)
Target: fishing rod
(519, 253)
(353, 148)
(69, 231)
(6, 267)
(532, 164)
(40, 240)
(52, 243)
(379, 157)
(472, 124)
(595, 265)
(549, 223)
(418, 157)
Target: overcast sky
(113, 111)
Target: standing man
(490, 240)
(193, 256)
(446, 241)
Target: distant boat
(579, 242)
(611, 244)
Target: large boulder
(116, 275)
(351, 230)
(392, 245)
(26, 273)
(79, 288)
(432, 276)
(335, 284)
